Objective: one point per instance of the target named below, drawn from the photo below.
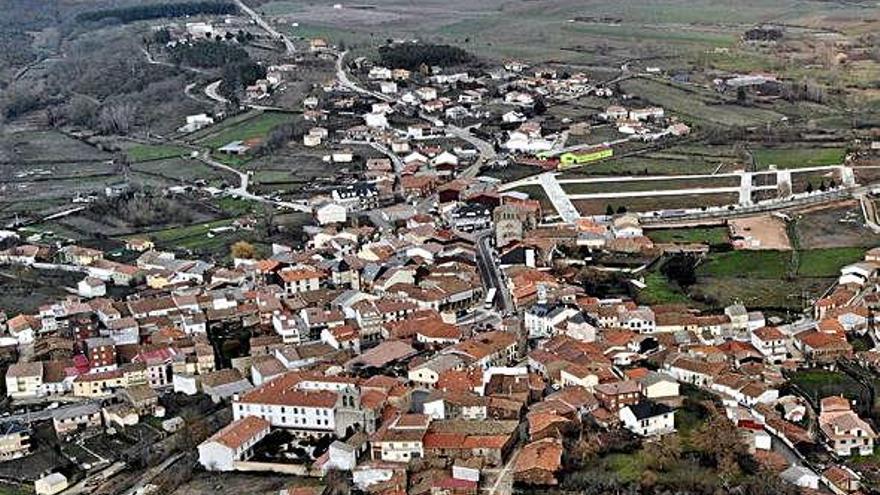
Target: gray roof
(76, 411)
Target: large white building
(306, 407)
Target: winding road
(241, 191)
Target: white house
(379, 72)
(24, 380)
(770, 342)
(330, 213)
(801, 476)
(51, 484)
(91, 287)
(376, 120)
(235, 442)
(648, 418)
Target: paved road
(561, 201)
(212, 91)
(490, 273)
(288, 45)
(241, 191)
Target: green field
(798, 157)
(827, 262)
(254, 128)
(746, 264)
(149, 152)
(650, 164)
(660, 290)
(706, 235)
(818, 383)
(190, 236)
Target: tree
(540, 107)
(663, 453)
(621, 210)
(609, 210)
(243, 250)
(809, 187)
(718, 441)
(117, 118)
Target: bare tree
(117, 118)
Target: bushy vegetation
(144, 12)
(413, 56)
(208, 53)
(278, 137)
(142, 209)
(710, 458)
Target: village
(465, 307)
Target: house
(51, 484)
(14, 440)
(24, 380)
(615, 395)
(224, 384)
(457, 439)
(648, 418)
(400, 439)
(78, 255)
(845, 433)
(101, 352)
(302, 279)
(658, 386)
(265, 368)
(234, 148)
(821, 347)
(801, 476)
(770, 342)
(234, 442)
(330, 213)
(76, 418)
(428, 373)
(538, 463)
(91, 287)
(306, 408)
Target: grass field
(254, 128)
(746, 264)
(190, 236)
(659, 290)
(707, 235)
(798, 157)
(827, 262)
(648, 164)
(819, 383)
(773, 280)
(655, 203)
(698, 105)
(149, 152)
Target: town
(413, 270)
